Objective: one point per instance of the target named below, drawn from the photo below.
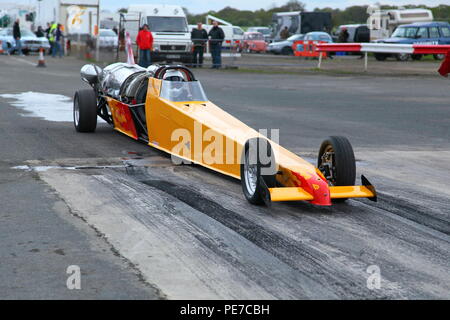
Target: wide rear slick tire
(336, 161)
(85, 110)
(258, 170)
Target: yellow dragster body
(202, 133)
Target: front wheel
(337, 162)
(258, 170)
(402, 57)
(85, 110)
(380, 56)
(287, 51)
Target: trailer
(299, 22)
(382, 23)
(76, 16)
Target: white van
(168, 24)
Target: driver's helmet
(173, 75)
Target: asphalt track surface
(140, 227)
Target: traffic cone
(1, 47)
(41, 62)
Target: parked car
(417, 33)
(108, 38)
(253, 42)
(318, 36)
(29, 40)
(267, 32)
(284, 47)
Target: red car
(253, 42)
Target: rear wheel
(439, 56)
(258, 170)
(337, 162)
(416, 57)
(85, 110)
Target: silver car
(29, 40)
(108, 39)
(284, 47)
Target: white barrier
(381, 48)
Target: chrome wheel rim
(250, 175)
(76, 112)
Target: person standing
(216, 36)
(57, 50)
(144, 42)
(47, 35)
(343, 35)
(199, 37)
(47, 30)
(17, 36)
(284, 34)
(57, 42)
(51, 37)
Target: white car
(29, 40)
(108, 38)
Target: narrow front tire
(337, 162)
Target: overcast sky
(200, 6)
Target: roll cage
(134, 97)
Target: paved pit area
(140, 227)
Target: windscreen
(256, 36)
(27, 33)
(264, 31)
(296, 37)
(167, 24)
(405, 32)
(107, 33)
(319, 37)
(181, 91)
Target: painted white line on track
(24, 61)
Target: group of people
(199, 38)
(53, 33)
